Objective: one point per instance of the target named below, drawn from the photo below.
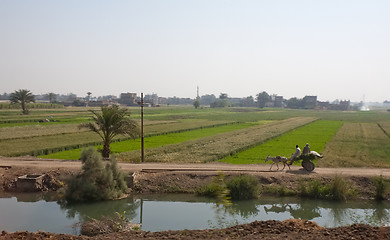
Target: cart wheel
(307, 165)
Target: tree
(112, 121)
(223, 96)
(22, 97)
(247, 102)
(196, 103)
(207, 99)
(263, 98)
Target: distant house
(151, 99)
(323, 105)
(129, 99)
(341, 105)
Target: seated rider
(306, 149)
(297, 152)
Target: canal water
(34, 212)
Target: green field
(317, 134)
(185, 134)
(155, 141)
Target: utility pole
(142, 128)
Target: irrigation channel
(34, 212)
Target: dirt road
(50, 164)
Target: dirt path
(52, 164)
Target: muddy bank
(168, 181)
(288, 229)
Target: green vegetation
(112, 121)
(380, 188)
(317, 134)
(362, 140)
(98, 181)
(156, 141)
(337, 189)
(243, 187)
(218, 146)
(216, 189)
(22, 97)
(358, 145)
(279, 190)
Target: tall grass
(243, 187)
(380, 188)
(337, 189)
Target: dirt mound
(287, 230)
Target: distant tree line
(260, 100)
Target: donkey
(277, 160)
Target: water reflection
(88, 211)
(35, 212)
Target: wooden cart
(306, 159)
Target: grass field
(218, 146)
(317, 134)
(362, 140)
(358, 145)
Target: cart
(307, 159)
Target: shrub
(243, 187)
(96, 181)
(214, 188)
(313, 189)
(280, 190)
(380, 187)
(217, 189)
(337, 189)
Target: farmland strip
(218, 146)
(358, 145)
(317, 134)
(160, 139)
(54, 143)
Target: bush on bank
(97, 181)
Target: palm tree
(22, 97)
(109, 123)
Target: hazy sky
(333, 49)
